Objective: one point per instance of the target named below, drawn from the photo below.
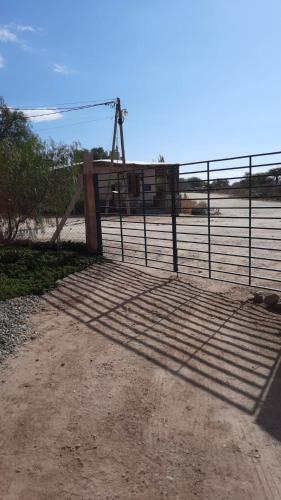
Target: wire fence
(73, 230)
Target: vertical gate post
(250, 220)
(120, 215)
(174, 172)
(209, 221)
(144, 217)
(90, 204)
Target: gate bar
(173, 174)
(250, 220)
(120, 216)
(144, 216)
(209, 220)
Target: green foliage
(263, 185)
(98, 153)
(34, 269)
(192, 184)
(31, 185)
(23, 174)
(220, 183)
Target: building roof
(143, 164)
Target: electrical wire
(64, 104)
(76, 123)
(67, 110)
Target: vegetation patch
(34, 268)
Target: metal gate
(218, 219)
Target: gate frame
(92, 169)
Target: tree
(220, 183)
(30, 183)
(192, 184)
(276, 173)
(98, 153)
(23, 173)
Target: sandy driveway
(143, 387)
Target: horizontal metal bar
(147, 229)
(148, 252)
(246, 198)
(273, 270)
(144, 265)
(232, 158)
(148, 258)
(112, 239)
(233, 282)
(229, 245)
(193, 267)
(229, 236)
(246, 266)
(205, 260)
(141, 222)
(214, 226)
(149, 237)
(218, 279)
(228, 188)
(266, 279)
(233, 208)
(142, 243)
(272, 164)
(245, 246)
(128, 249)
(215, 262)
(230, 272)
(114, 253)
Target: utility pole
(120, 123)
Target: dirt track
(143, 387)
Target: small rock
(258, 297)
(272, 299)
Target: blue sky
(200, 79)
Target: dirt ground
(143, 386)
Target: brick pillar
(90, 204)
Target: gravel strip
(14, 322)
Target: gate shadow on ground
(227, 348)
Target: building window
(147, 187)
(133, 184)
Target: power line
(66, 104)
(67, 110)
(76, 123)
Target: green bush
(34, 268)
